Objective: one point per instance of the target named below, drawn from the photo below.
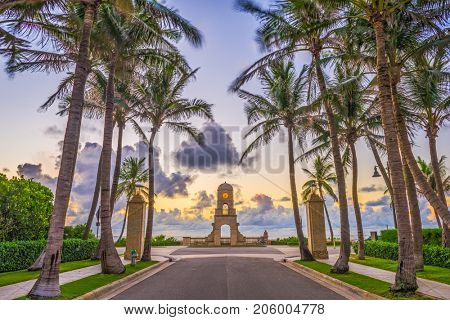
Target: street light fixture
(376, 174)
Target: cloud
(218, 150)
(53, 131)
(383, 201)
(283, 199)
(371, 188)
(203, 200)
(169, 185)
(263, 202)
(34, 171)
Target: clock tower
(225, 214)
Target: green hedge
(18, 255)
(293, 241)
(158, 241)
(431, 237)
(432, 255)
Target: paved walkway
(20, 289)
(432, 288)
(429, 287)
(228, 277)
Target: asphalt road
(224, 278)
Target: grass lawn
(430, 272)
(369, 284)
(77, 288)
(7, 278)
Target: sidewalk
(428, 287)
(20, 289)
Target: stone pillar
(317, 240)
(186, 241)
(373, 235)
(135, 226)
(216, 230)
(234, 234)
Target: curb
(110, 290)
(347, 290)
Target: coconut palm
(377, 13)
(427, 170)
(320, 179)
(281, 107)
(356, 118)
(48, 282)
(293, 26)
(157, 101)
(425, 90)
(132, 175)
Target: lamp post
(376, 174)
(98, 220)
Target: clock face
(225, 195)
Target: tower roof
(225, 186)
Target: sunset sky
(30, 143)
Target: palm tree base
(404, 288)
(305, 255)
(341, 266)
(146, 255)
(45, 289)
(111, 263)
(405, 282)
(37, 265)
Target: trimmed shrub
(76, 232)
(431, 237)
(432, 255)
(158, 241)
(18, 255)
(388, 235)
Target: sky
(186, 184)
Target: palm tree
(48, 282)
(377, 13)
(132, 41)
(426, 93)
(320, 179)
(428, 171)
(280, 107)
(157, 100)
(132, 175)
(293, 26)
(356, 117)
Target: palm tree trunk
(124, 222)
(414, 213)
(305, 254)
(94, 201)
(386, 178)
(356, 207)
(341, 265)
(405, 278)
(110, 260)
(328, 216)
(440, 208)
(147, 255)
(439, 185)
(115, 181)
(47, 284)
